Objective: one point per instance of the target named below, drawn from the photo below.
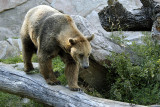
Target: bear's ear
(90, 38)
(72, 41)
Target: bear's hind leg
(45, 65)
(28, 49)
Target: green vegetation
(9, 100)
(136, 80)
(12, 60)
(58, 65)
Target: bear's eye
(81, 55)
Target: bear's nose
(85, 67)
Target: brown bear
(51, 33)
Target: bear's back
(44, 19)
(36, 16)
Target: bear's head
(80, 50)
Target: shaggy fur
(50, 33)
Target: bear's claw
(57, 83)
(76, 89)
(54, 83)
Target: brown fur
(50, 33)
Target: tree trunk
(34, 87)
(115, 17)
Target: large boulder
(78, 7)
(7, 50)
(15, 42)
(10, 48)
(11, 20)
(8, 4)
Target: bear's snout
(85, 67)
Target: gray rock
(5, 33)
(78, 7)
(130, 36)
(7, 50)
(50, 1)
(10, 48)
(8, 4)
(93, 18)
(15, 42)
(130, 5)
(12, 19)
(155, 106)
(25, 100)
(85, 7)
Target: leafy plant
(58, 65)
(137, 81)
(9, 100)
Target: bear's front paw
(28, 71)
(76, 89)
(53, 82)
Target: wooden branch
(116, 17)
(146, 3)
(34, 87)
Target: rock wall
(12, 13)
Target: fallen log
(34, 87)
(115, 17)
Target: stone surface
(85, 7)
(11, 20)
(130, 5)
(15, 42)
(10, 48)
(130, 36)
(8, 4)
(50, 1)
(93, 18)
(157, 1)
(7, 50)
(6, 33)
(78, 7)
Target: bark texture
(115, 17)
